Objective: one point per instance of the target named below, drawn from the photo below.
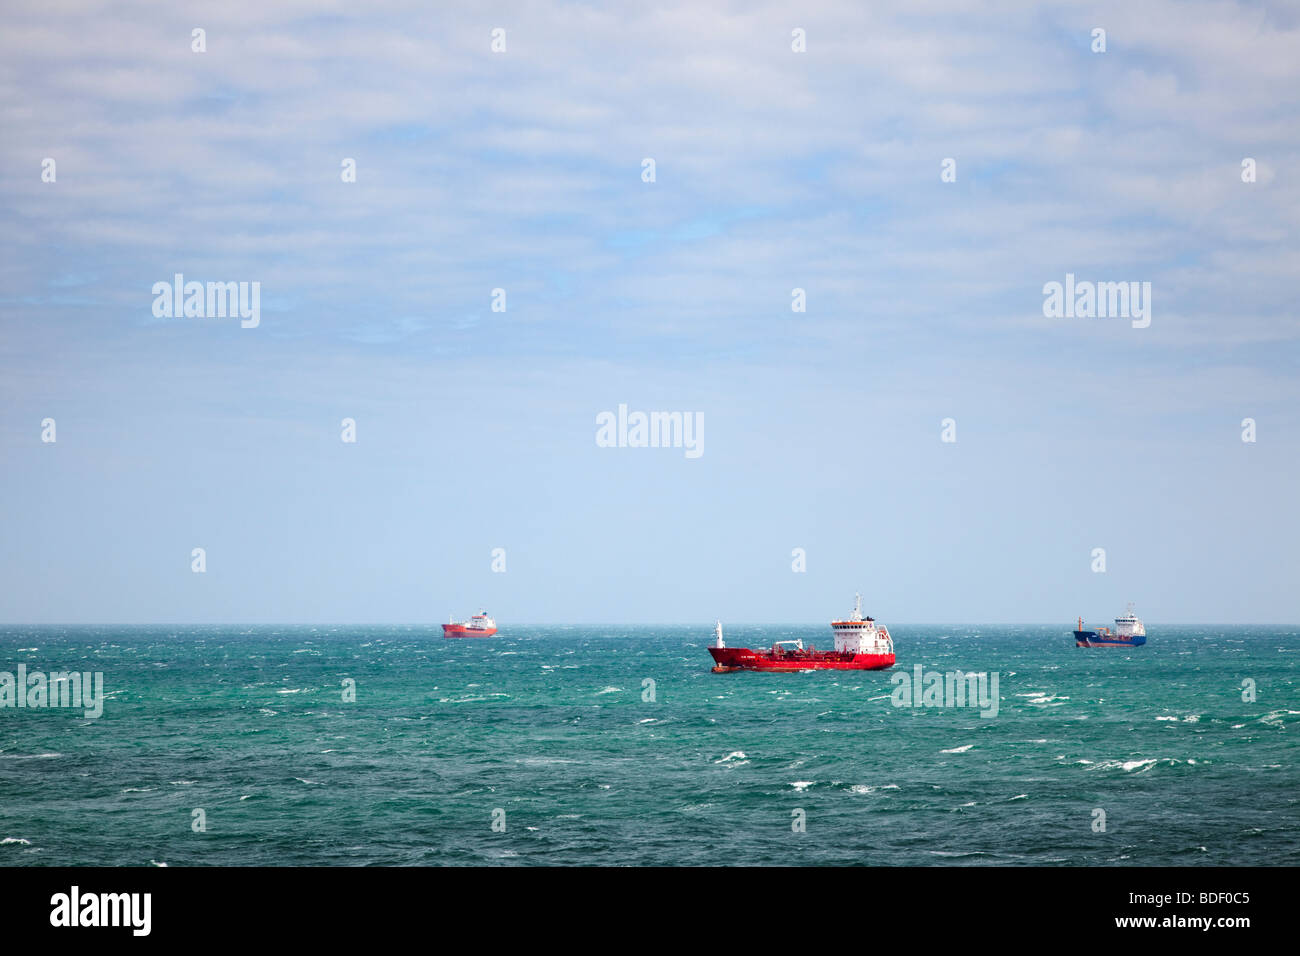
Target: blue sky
(774, 170)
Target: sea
(617, 746)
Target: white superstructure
(861, 635)
(1129, 624)
(477, 622)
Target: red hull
(744, 659)
(460, 630)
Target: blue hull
(1093, 639)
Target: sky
(523, 170)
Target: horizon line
(434, 625)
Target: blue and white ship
(1129, 632)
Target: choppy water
(551, 726)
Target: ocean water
(617, 746)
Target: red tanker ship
(479, 625)
(860, 645)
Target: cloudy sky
(522, 170)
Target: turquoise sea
(617, 746)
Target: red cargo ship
(479, 625)
(860, 645)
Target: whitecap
(1135, 764)
(958, 750)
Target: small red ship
(479, 625)
(860, 645)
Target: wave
(958, 750)
(1128, 766)
(1277, 718)
(46, 756)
